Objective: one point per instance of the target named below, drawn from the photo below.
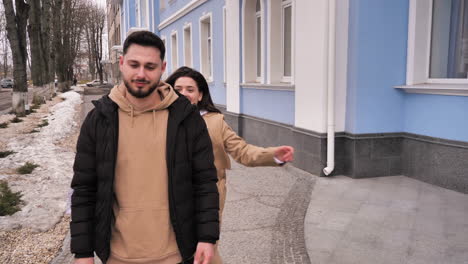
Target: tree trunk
(35, 32)
(16, 32)
(46, 39)
(5, 57)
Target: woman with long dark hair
(193, 85)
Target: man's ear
(121, 61)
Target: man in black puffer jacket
(144, 180)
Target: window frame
(174, 34)
(164, 40)
(420, 18)
(258, 15)
(284, 5)
(249, 49)
(203, 18)
(224, 44)
(189, 27)
(418, 59)
(139, 16)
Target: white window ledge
(117, 48)
(436, 88)
(272, 86)
(135, 29)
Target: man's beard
(139, 93)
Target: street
(5, 100)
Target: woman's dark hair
(206, 103)
(146, 39)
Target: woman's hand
(284, 153)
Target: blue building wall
(378, 31)
(217, 87)
(154, 16)
(437, 116)
(132, 12)
(173, 7)
(268, 104)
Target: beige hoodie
(142, 232)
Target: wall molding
(181, 12)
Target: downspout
(331, 89)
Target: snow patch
(46, 189)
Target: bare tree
(16, 22)
(4, 45)
(68, 26)
(39, 37)
(94, 28)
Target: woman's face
(188, 87)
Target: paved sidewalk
(263, 220)
(386, 220)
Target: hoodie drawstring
(131, 114)
(154, 120)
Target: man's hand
(204, 254)
(284, 153)
(83, 261)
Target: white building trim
(233, 56)
(311, 74)
(181, 12)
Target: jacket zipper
(114, 162)
(171, 192)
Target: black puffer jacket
(193, 195)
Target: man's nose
(141, 72)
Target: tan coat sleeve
(246, 154)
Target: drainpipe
(331, 89)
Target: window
(438, 43)
(206, 52)
(258, 39)
(286, 32)
(224, 44)
(280, 44)
(252, 49)
(162, 4)
(449, 40)
(142, 13)
(174, 52)
(164, 76)
(188, 45)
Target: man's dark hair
(146, 39)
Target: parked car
(6, 83)
(95, 83)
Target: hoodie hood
(166, 93)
